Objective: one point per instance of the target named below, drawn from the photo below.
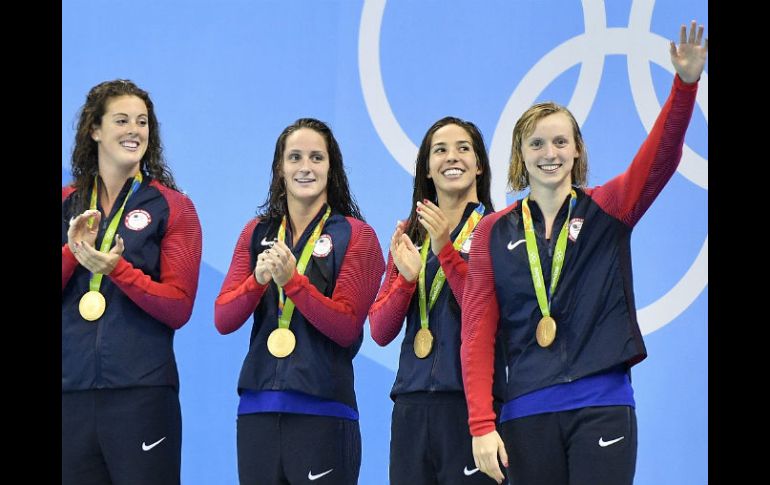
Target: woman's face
(123, 134)
(305, 166)
(549, 152)
(452, 164)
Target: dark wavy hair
(337, 189)
(518, 177)
(424, 188)
(84, 162)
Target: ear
(479, 170)
(96, 134)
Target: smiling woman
(131, 250)
(451, 194)
(306, 270)
(567, 316)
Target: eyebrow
(312, 152)
(126, 114)
(460, 142)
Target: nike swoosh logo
(147, 447)
(312, 477)
(265, 242)
(469, 472)
(512, 244)
(603, 443)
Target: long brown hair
(338, 193)
(85, 158)
(424, 188)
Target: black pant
(586, 446)
(430, 442)
(284, 448)
(121, 436)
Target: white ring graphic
(636, 42)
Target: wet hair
(424, 188)
(338, 193)
(518, 178)
(85, 154)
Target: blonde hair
(518, 178)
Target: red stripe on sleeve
(240, 293)
(341, 317)
(387, 314)
(480, 319)
(171, 299)
(628, 196)
(68, 260)
(455, 268)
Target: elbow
(379, 339)
(180, 318)
(221, 322)
(346, 340)
(375, 331)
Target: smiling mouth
(304, 180)
(549, 167)
(453, 172)
(130, 145)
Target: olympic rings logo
(636, 42)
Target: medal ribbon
(285, 305)
(534, 258)
(109, 235)
(438, 281)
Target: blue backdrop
(227, 76)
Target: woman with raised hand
(550, 277)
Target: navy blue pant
(284, 449)
(430, 442)
(121, 436)
(586, 446)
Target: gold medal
(92, 305)
(281, 342)
(546, 331)
(423, 343)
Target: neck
(549, 200)
(113, 180)
(301, 213)
(453, 204)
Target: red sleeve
(341, 317)
(240, 293)
(68, 260)
(171, 299)
(628, 196)
(455, 268)
(68, 265)
(386, 316)
(480, 319)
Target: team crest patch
(466, 247)
(574, 228)
(138, 219)
(323, 246)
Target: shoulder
(174, 197)
(489, 220)
(67, 191)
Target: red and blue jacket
(593, 304)
(440, 371)
(149, 294)
(331, 300)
